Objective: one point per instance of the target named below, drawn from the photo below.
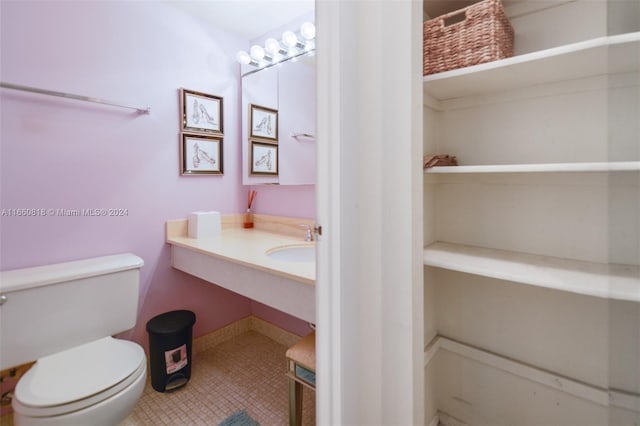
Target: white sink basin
(294, 253)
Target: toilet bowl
(63, 316)
(97, 383)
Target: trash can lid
(171, 322)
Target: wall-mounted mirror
(290, 89)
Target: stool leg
(295, 403)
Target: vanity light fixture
(273, 47)
(258, 54)
(308, 31)
(290, 46)
(290, 39)
(244, 58)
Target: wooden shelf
(609, 281)
(620, 166)
(600, 56)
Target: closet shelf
(609, 281)
(599, 56)
(619, 166)
(598, 395)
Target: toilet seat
(79, 377)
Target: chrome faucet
(309, 235)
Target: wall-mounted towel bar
(146, 110)
(302, 135)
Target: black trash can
(170, 349)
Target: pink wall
(290, 201)
(282, 320)
(64, 154)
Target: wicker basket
(473, 35)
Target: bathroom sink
(293, 253)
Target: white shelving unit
(601, 56)
(527, 266)
(609, 281)
(620, 166)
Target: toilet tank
(46, 309)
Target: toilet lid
(79, 372)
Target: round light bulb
(289, 39)
(243, 57)
(272, 46)
(309, 45)
(308, 30)
(257, 52)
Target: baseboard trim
(236, 328)
(447, 420)
(597, 395)
(221, 335)
(274, 332)
(435, 421)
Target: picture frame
(264, 158)
(201, 155)
(263, 123)
(201, 112)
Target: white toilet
(63, 316)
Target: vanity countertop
(249, 247)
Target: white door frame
(369, 286)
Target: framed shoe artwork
(201, 155)
(264, 158)
(201, 112)
(263, 140)
(201, 139)
(263, 123)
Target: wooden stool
(301, 360)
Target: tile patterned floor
(246, 372)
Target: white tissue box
(204, 224)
